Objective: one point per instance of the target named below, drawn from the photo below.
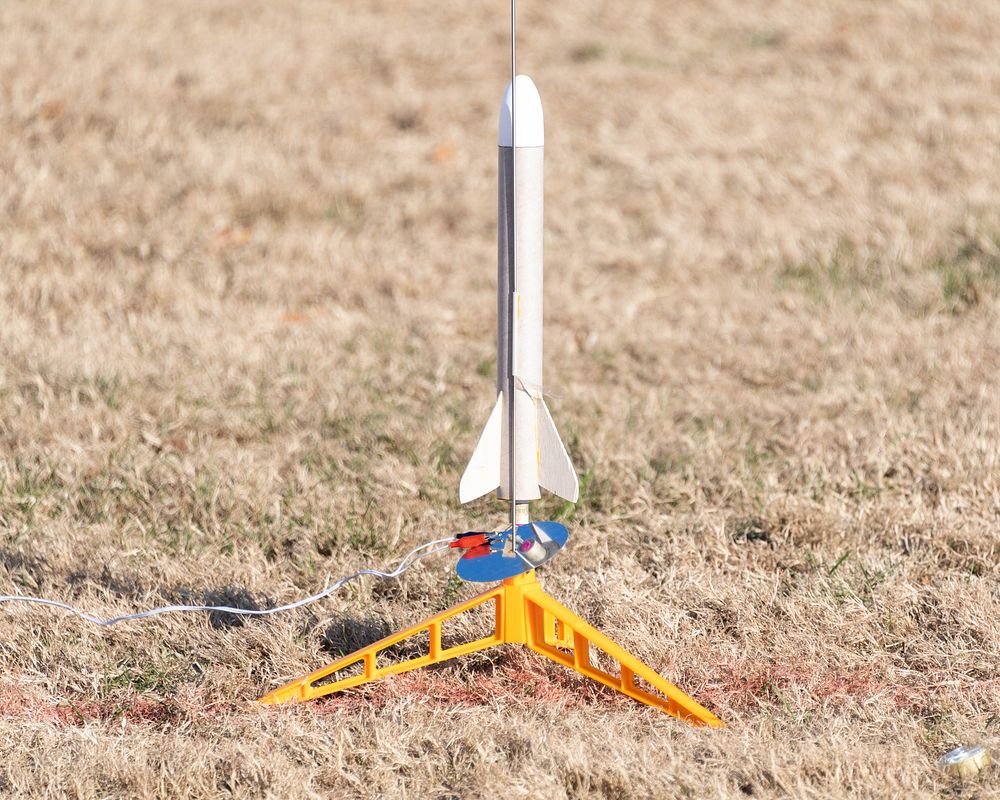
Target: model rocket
(540, 458)
(519, 453)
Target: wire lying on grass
(411, 558)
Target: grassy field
(247, 309)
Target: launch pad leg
(524, 614)
(557, 633)
(366, 665)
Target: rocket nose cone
(528, 117)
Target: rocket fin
(556, 471)
(482, 474)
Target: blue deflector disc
(537, 541)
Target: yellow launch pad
(526, 615)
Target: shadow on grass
(25, 569)
(136, 591)
(236, 597)
(349, 634)
(129, 587)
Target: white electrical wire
(407, 561)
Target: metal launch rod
(512, 294)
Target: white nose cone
(529, 120)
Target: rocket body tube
(520, 249)
(541, 460)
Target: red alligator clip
(470, 539)
(476, 552)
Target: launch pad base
(524, 614)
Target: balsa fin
(556, 471)
(482, 474)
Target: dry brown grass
(247, 255)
